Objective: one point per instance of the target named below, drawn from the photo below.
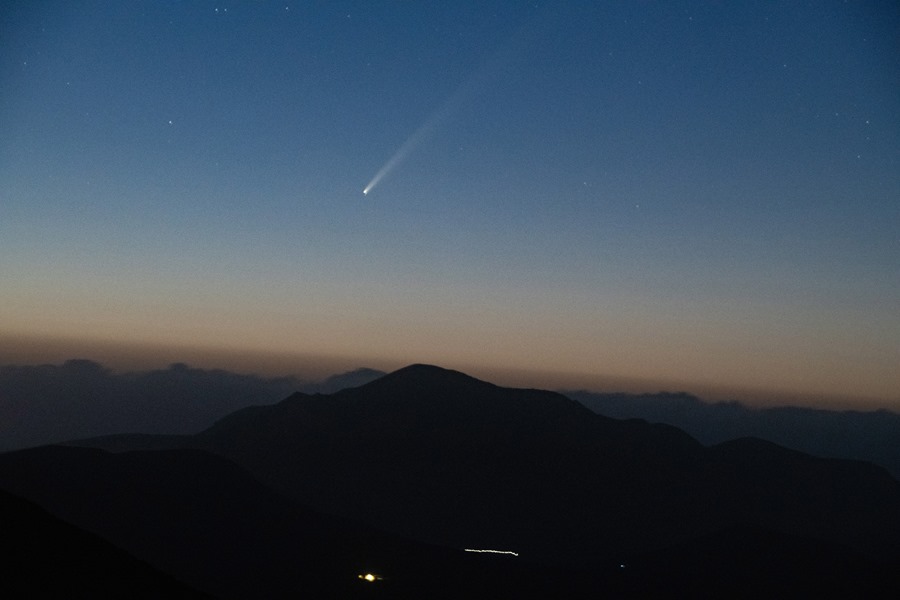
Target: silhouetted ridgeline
(80, 398)
(592, 505)
(871, 436)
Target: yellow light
(368, 577)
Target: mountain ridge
(861, 435)
(445, 458)
(82, 399)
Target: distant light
(492, 551)
(370, 577)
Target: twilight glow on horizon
(704, 195)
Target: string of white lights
(492, 551)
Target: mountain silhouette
(203, 520)
(444, 458)
(192, 515)
(862, 435)
(81, 398)
(46, 557)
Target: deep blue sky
(705, 193)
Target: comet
(412, 141)
(469, 88)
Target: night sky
(703, 195)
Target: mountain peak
(426, 370)
(420, 376)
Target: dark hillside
(446, 458)
(45, 557)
